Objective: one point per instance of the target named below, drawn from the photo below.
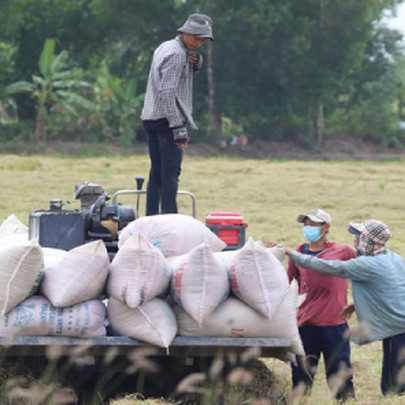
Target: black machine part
(103, 221)
(66, 229)
(59, 229)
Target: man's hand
(195, 58)
(272, 243)
(288, 251)
(181, 137)
(347, 311)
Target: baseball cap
(316, 215)
(199, 25)
(375, 231)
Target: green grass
(268, 194)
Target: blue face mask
(311, 233)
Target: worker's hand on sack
(347, 311)
(272, 243)
(181, 137)
(288, 251)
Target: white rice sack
(200, 281)
(233, 318)
(226, 256)
(13, 231)
(173, 234)
(21, 270)
(278, 251)
(36, 316)
(153, 322)
(79, 276)
(52, 257)
(138, 272)
(258, 278)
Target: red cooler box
(229, 227)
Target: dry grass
(269, 195)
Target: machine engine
(66, 229)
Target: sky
(398, 22)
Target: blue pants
(393, 363)
(165, 168)
(335, 347)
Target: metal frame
(181, 346)
(139, 192)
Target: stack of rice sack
(243, 293)
(169, 276)
(261, 303)
(141, 275)
(50, 292)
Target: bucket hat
(199, 25)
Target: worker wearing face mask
(377, 275)
(323, 329)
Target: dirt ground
(333, 149)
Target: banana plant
(128, 106)
(56, 88)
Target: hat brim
(205, 36)
(185, 31)
(301, 219)
(355, 228)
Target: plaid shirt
(169, 92)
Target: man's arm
(335, 268)
(170, 72)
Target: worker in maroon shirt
(322, 328)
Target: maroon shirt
(325, 295)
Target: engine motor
(65, 229)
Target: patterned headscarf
(373, 237)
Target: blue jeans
(165, 168)
(392, 379)
(335, 347)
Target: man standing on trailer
(167, 110)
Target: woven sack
(36, 316)
(21, 270)
(138, 272)
(13, 231)
(200, 281)
(258, 278)
(234, 318)
(80, 275)
(152, 322)
(173, 234)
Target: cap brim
(355, 228)
(301, 218)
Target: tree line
(299, 70)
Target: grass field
(268, 194)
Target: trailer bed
(181, 346)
